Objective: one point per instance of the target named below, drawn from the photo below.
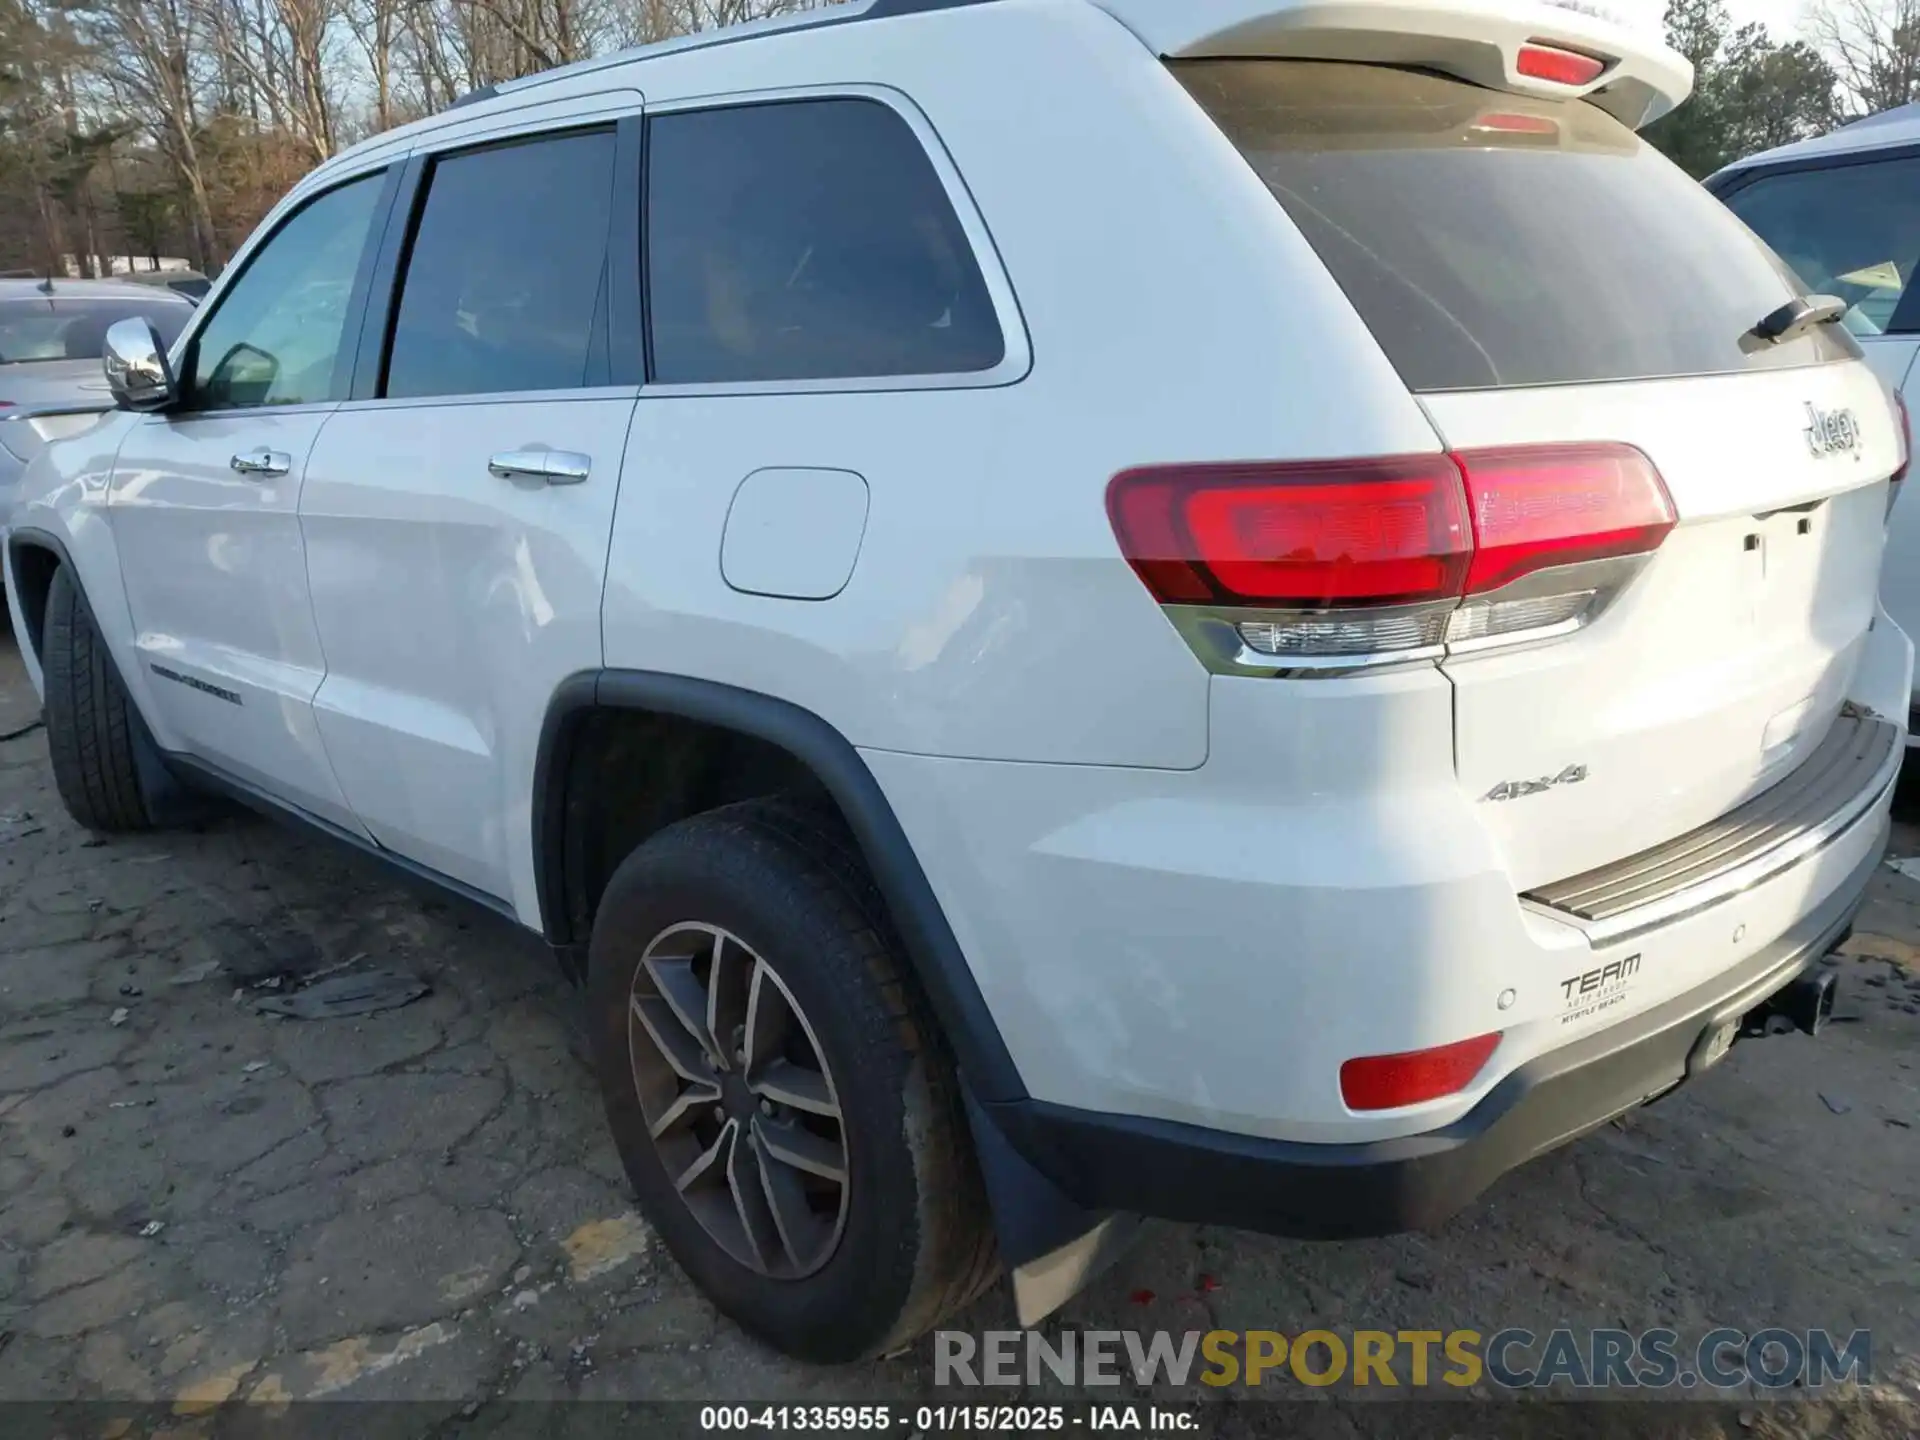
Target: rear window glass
(38, 330)
(1494, 240)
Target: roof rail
(787, 23)
(881, 9)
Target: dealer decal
(1601, 988)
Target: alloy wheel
(738, 1100)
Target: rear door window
(506, 284)
(1851, 230)
(1493, 240)
(806, 240)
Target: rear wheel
(1906, 789)
(93, 731)
(780, 1103)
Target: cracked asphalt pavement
(201, 1201)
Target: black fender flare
(945, 977)
(32, 537)
(167, 798)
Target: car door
(205, 503)
(456, 514)
(1849, 225)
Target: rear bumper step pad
(1830, 790)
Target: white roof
(1478, 40)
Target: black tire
(1906, 789)
(93, 731)
(917, 1242)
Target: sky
(1781, 17)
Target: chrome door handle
(555, 467)
(262, 462)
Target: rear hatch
(1539, 275)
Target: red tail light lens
(1544, 505)
(1383, 532)
(1540, 61)
(1334, 533)
(1366, 559)
(1387, 1082)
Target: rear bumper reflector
(1388, 1082)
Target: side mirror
(136, 366)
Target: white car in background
(51, 336)
(1843, 210)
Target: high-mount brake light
(1539, 60)
(1381, 559)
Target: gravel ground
(202, 1201)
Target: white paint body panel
(1182, 896)
(983, 618)
(451, 603)
(1720, 666)
(216, 583)
(65, 493)
(1209, 947)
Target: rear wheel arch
(623, 753)
(33, 558)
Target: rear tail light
(1387, 1082)
(1549, 505)
(1538, 60)
(1347, 532)
(1331, 562)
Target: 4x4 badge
(1514, 789)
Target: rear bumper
(1330, 1191)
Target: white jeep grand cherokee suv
(1066, 609)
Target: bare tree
(375, 26)
(279, 50)
(149, 54)
(133, 125)
(1873, 47)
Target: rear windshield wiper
(1798, 316)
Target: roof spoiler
(1477, 40)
